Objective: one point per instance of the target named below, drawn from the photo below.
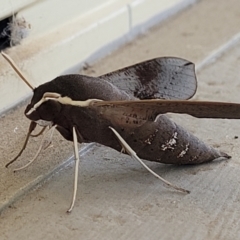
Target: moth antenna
(76, 153)
(133, 154)
(16, 69)
(32, 126)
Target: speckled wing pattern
(159, 78)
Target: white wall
(66, 33)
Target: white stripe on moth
(63, 100)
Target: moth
(125, 110)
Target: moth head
(43, 109)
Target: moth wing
(148, 110)
(162, 78)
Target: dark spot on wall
(5, 33)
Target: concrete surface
(117, 199)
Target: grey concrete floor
(117, 199)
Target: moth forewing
(149, 109)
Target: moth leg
(43, 141)
(132, 153)
(123, 150)
(48, 143)
(40, 133)
(32, 126)
(76, 153)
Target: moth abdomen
(166, 142)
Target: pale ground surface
(117, 199)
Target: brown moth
(125, 110)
